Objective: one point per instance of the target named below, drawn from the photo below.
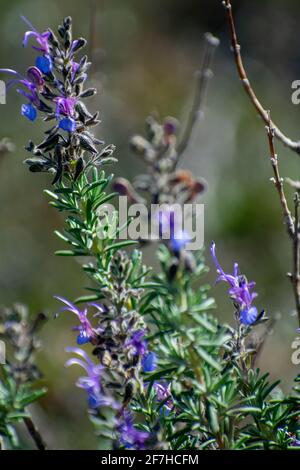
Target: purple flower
(295, 442)
(33, 84)
(41, 38)
(86, 332)
(163, 393)
(166, 220)
(44, 63)
(149, 362)
(239, 292)
(137, 343)
(65, 106)
(29, 111)
(131, 437)
(92, 382)
(179, 240)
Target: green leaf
(118, 245)
(209, 359)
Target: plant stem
(236, 48)
(278, 181)
(203, 78)
(295, 277)
(292, 226)
(35, 434)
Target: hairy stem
(203, 78)
(236, 48)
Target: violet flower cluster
(54, 87)
(239, 291)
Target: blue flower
(179, 240)
(239, 291)
(44, 63)
(83, 338)
(149, 362)
(248, 316)
(67, 124)
(29, 111)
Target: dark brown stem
(203, 78)
(35, 434)
(236, 48)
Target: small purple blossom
(131, 437)
(65, 106)
(86, 332)
(295, 442)
(42, 39)
(137, 343)
(33, 84)
(170, 227)
(239, 292)
(92, 382)
(179, 240)
(163, 393)
(149, 362)
(167, 220)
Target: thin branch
(35, 434)
(203, 78)
(295, 275)
(236, 48)
(292, 225)
(278, 181)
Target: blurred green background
(145, 54)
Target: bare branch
(292, 225)
(278, 181)
(295, 275)
(203, 77)
(293, 145)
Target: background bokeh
(145, 54)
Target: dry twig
(236, 48)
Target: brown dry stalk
(236, 48)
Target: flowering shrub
(163, 372)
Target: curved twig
(236, 48)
